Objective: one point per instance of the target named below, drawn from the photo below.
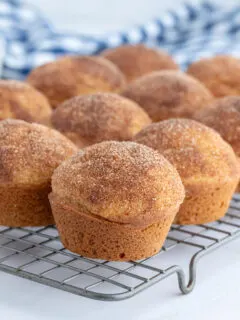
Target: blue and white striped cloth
(188, 34)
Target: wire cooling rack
(38, 254)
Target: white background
(217, 293)
(99, 16)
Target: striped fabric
(188, 33)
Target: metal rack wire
(37, 254)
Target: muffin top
(30, 152)
(198, 152)
(74, 75)
(220, 74)
(18, 100)
(137, 60)
(121, 182)
(97, 117)
(223, 115)
(168, 94)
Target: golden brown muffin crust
(224, 116)
(94, 118)
(220, 74)
(168, 94)
(99, 238)
(18, 100)
(197, 152)
(121, 182)
(74, 75)
(30, 152)
(136, 60)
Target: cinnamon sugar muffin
(137, 60)
(28, 155)
(220, 74)
(207, 166)
(115, 201)
(97, 117)
(224, 116)
(75, 75)
(18, 100)
(168, 94)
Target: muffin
(115, 201)
(168, 94)
(97, 117)
(223, 115)
(28, 155)
(19, 100)
(137, 60)
(206, 163)
(75, 75)
(220, 74)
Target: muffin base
(205, 202)
(22, 207)
(96, 237)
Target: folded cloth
(189, 33)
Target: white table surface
(217, 292)
(216, 296)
